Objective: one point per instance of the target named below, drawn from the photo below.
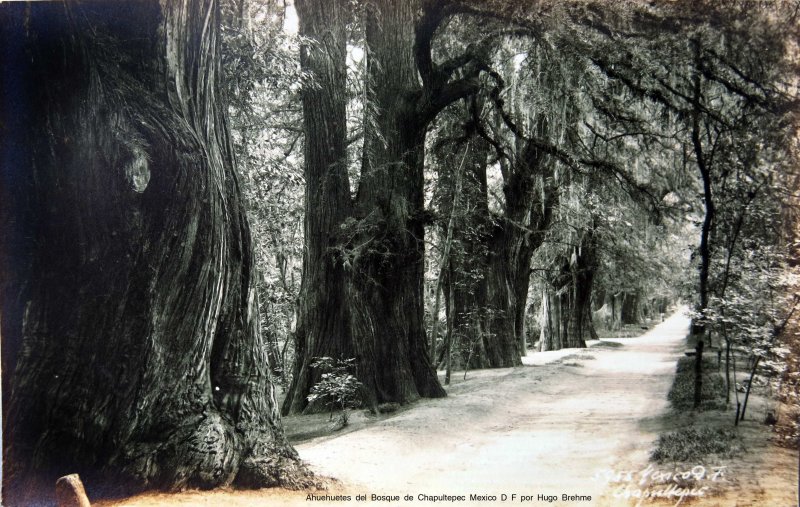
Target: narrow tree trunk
(323, 326)
(749, 386)
(698, 375)
(616, 311)
(727, 366)
(449, 341)
(141, 356)
(708, 217)
(735, 393)
(590, 325)
(546, 331)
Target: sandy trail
(527, 431)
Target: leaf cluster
(337, 387)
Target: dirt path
(527, 431)
(551, 429)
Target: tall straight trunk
(469, 265)
(727, 366)
(140, 356)
(615, 301)
(323, 326)
(590, 324)
(386, 293)
(708, 217)
(551, 332)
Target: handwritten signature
(651, 483)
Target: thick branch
(446, 95)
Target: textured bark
(490, 308)
(386, 294)
(491, 264)
(583, 270)
(566, 307)
(530, 196)
(140, 354)
(631, 308)
(616, 310)
(323, 329)
(382, 241)
(468, 261)
(551, 333)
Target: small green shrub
(712, 393)
(338, 388)
(695, 444)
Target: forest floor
(571, 427)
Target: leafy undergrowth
(753, 470)
(712, 393)
(696, 444)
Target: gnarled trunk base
(141, 362)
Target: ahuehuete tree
(603, 243)
(486, 253)
(512, 127)
(564, 156)
(460, 261)
(131, 342)
(534, 130)
(380, 245)
(323, 328)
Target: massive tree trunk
(381, 239)
(386, 293)
(323, 329)
(468, 259)
(530, 196)
(140, 356)
(555, 310)
(490, 308)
